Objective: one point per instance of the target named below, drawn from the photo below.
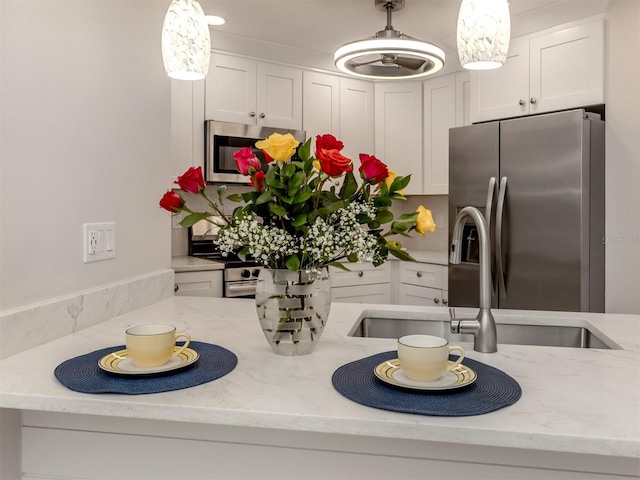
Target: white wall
(623, 157)
(84, 138)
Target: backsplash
(438, 204)
(27, 327)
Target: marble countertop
(573, 400)
(194, 264)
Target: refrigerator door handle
(499, 214)
(490, 194)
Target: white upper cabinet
(398, 130)
(549, 71)
(356, 118)
(321, 104)
(245, 91)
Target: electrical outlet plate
(99, 241)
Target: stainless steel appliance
(239, 276)
(540, 183)
(222, 139)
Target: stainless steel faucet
(483, 327)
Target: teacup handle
(460, 358)
(186, 343)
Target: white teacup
(151, 346)
(425, 358)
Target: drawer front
(378, 293)
(415, 295)
(206, 283)
(445, 278)
(360, 274)
(421, 274)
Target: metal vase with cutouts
(293, 307)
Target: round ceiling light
(389, 54)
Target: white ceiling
(324, 25)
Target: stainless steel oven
(223, 139)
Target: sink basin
(553, 334)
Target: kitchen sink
(389, 324)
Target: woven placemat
(83, 374)
(492, 390)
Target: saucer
(120, 363)
(390, 372)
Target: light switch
(99, 240)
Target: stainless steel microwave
(223, 139)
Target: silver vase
(293, 308)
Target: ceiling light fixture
(389, 54)
(186, 45)
(215, 20)
(483, 34)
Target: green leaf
(304, 150)
(382, 202)
(331, 208)
(288, 170)
(399, 183)
(242, 254)
(235, 197)
(292, 262)
(294, 182)
(401, 254)
(278, 210)
(384, 216)
(339, 265)
(265, 197)
(302, 196)
(300, 220)
(194, 218)
(272, 180)
(404, 223)
(349, 186)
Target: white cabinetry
(551, 70)
(202, 283)
(422, 284)
(364, 283)
(445, 106)
(255, 93)
(398, 130)
(320, 104)
(356, 117)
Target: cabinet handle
(175, 288)
(418, 274)
(436, 300)
(252, 114)
(533, 100)
(360, 274)
(262, 115)
(522, 102)
(445, 301)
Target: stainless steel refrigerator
(539, 181)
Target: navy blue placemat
(83, 374)
(492, 390)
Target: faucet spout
(483, 327)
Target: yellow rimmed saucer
(120, 363)
(390, 372)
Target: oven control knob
(256, 272)
(245, 273)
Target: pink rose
(246, 160)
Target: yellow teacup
(425, 358)
(151, 346)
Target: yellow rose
(389, 180)
(424, 222)
(279, 147)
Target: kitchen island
(280, 417)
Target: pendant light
(186, 45)
(389, 54)
(484, 30)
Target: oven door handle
(239, 290)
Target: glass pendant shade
(483, 34)
(186, 44)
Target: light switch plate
(99, 241)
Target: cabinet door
(378, 294)
(199, 284)
(279, 96)
(422, 274)
(230, 94)
(499, 93)
(463, 98)
(439, 95)
(398, 130)
(321, 104)
(415, 295)
(567, 68)
(356, 118)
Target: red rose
(192, 181)
(172, 201)
(372, 169)
(257, 181)
(245, 160)
(333, 163)
(328, 142)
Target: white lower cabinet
(363, 283)
(203, 283)
(422, 284)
